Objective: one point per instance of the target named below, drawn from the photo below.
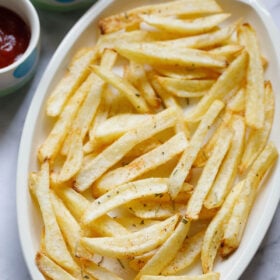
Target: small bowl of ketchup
(19, 43)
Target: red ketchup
(14, 37)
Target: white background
(13, 109)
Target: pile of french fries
(159, 146)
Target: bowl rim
(34, 25)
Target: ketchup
(14, 37)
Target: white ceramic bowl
(18, 73)
(62, 5)
(37, 127)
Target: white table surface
(13, 109)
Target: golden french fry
(207, 276)
(202, 41)
(123, 194)
(137, 76)
(109, 41)
(167, 252)
(254, 109)
(132, 94)
(101, 163)
(186, 26)
(74, 159)
(54, 243)
(170, 101)
(101, 116)
(118, 125)
(208, 175)
(160, 155)
(78, 71)
(231, 77)
(207, 149)
(215, 231)
(138, 262)
(228, 169)
(258, 138)
(100, 273)
(54, 141)
(237, 103)
(178, 72)
(77, 204)
(185, 87)
(182, 168)
(152, 53)
(187, 254)
(134, 243)
(228, 51)
(155, 210)
(133, 17)
(238, 219)
(70, 228)
(91, 103)
(50, 269)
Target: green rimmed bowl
(62, 5)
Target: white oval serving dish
(37, 126)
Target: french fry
(109, 41)
(228, 51)
(228, 169)
(208, 175)
(134, 243)
(153, 53)
(70, 228)
(183, 73)
(170, 101)
(185, 87)
(54, 243)
(101, 116)
(77, 204)
(52, 144)
(137, 76)
(185, 27)
(237, 103)
(100, 273)
(182, 168)
(123, 194)
(187, 254)
(232, 76)
(207, 276)
(181, 7)
(78, 71)
(164, 255)
(144, 163)
(215, 231)
(89, 107)
(202, 41)
(52, 270)
(254, 109)
(133, 223)
(95, 168)
(118, 125)
(182, 197)
(74, 159)
(258, 138)
(155, 210)
(207, 149)
(132, 94)
(238, 219)
(138, 262)
(144, 147)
